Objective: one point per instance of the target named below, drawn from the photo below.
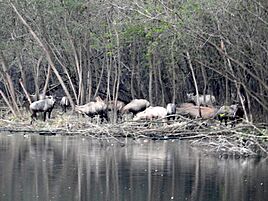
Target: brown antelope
(232, 112)
(193, 111)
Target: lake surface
(75, 168)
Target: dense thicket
(123, 49)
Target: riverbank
(245, 139)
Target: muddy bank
(244, 139)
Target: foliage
(226, 39)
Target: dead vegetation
(244, 139)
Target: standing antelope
(171, 110)
(202, 99)
(45, 105)
(64, 103)
(232, 113)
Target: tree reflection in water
(66, 168)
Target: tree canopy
(123, 49)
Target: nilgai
(64, 103)
(204, 100)
(135, 106)
(45, 105)
(171, 111)
(93, 108)
(115, 105)
(233, 113)
(150, 113)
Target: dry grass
(244, 139)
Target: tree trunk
(155, 86)
(118, 76)
(205, 83)
(236, 84)
(195, 83)
(77, 63)
(36, 77)
(48, 54)
(47, 80)
(161, 86)
(25, 91)
(133, 56)
(87, 77)
(68, 76)
(151, 79)
(174, 89)
(7, 102)
(99, 81)
(9, 82)
(108, 64)
(22, 72)
(80, 75)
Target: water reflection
(81, 168)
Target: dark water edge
(75, 168)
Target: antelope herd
(141, 109)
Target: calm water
(42, 168)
